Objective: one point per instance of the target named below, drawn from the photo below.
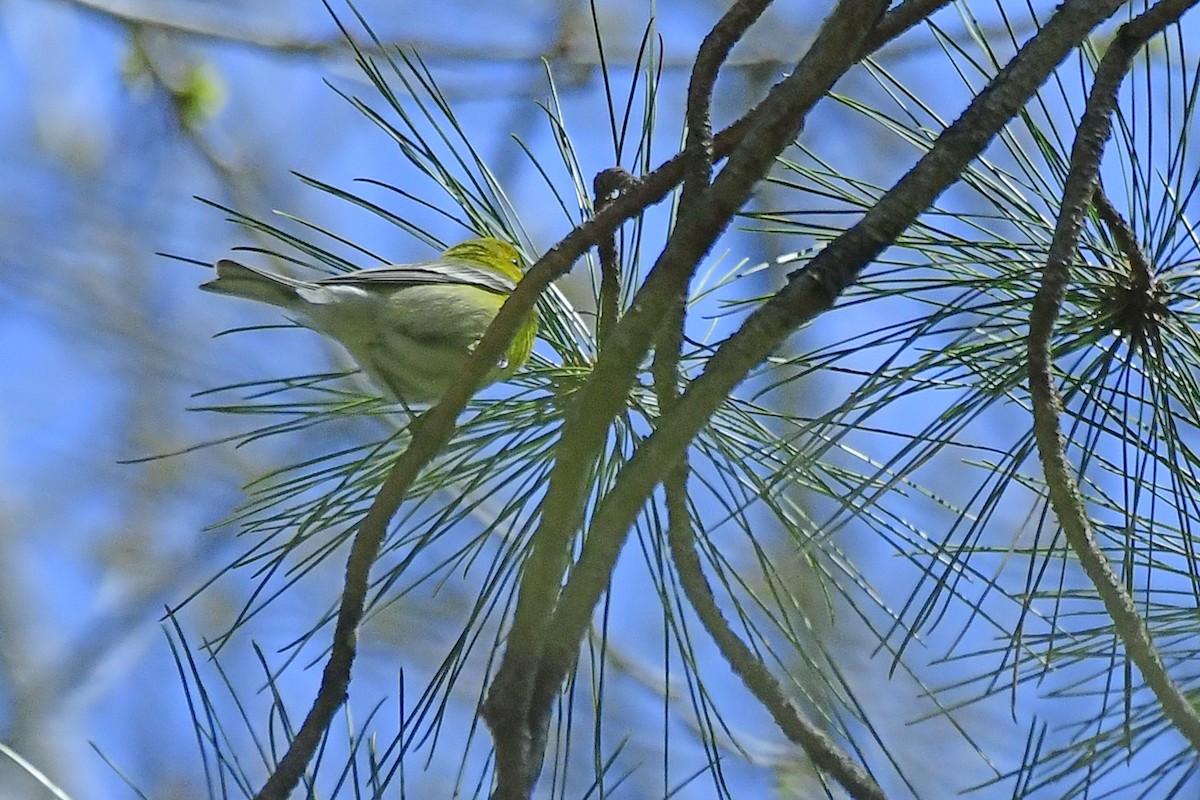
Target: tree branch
(681, 536)
(1078, 192)
(709, 59)
(1141, 275)
(808, 293)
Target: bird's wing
(432, 272)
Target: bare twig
(607, 186)
(1141, 275)
(226, 28)
(755, 675)
(826, 755)
(772, 125)
(768, 128)
(824, 752)
(714, 50)
(1079, 190)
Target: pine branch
(1079, 191)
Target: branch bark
(1078, 192)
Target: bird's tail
(252, 284)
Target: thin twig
(767, 131)
(712, 55)
(607, 186)
(228, 29)
(755, 675)
(817, 745)
(1141, 274)
(714, 50)
(1079, 190)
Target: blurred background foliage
(115, 116)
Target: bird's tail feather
(252, 284)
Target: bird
(409, 327)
